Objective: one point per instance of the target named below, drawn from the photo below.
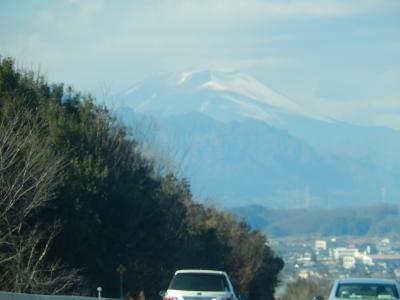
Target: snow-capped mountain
(224, 96)
(243, 142)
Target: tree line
(79, 198)
(376, 220)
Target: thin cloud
(86, 8)
(323, 8)
(230, 10)
(281, 42)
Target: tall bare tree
(29, 173)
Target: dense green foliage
(357, 221)
(113, 208)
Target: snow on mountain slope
(225, 96)
(279, 154)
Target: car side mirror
(162, 294)
(318, 298)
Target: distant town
(338, 257)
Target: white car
(364, 288)
(199, 285)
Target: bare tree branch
(29, 174)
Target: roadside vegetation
(79, 198)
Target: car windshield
(366, 291)
(199, 282)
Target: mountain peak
(225, 96)
(194, 77)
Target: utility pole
(121, 270)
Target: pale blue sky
(338, 57)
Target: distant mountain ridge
(376, 220)
(249, 144)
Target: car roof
(200, 271)
(367, 280)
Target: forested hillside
(78, 198)
(376, 220)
